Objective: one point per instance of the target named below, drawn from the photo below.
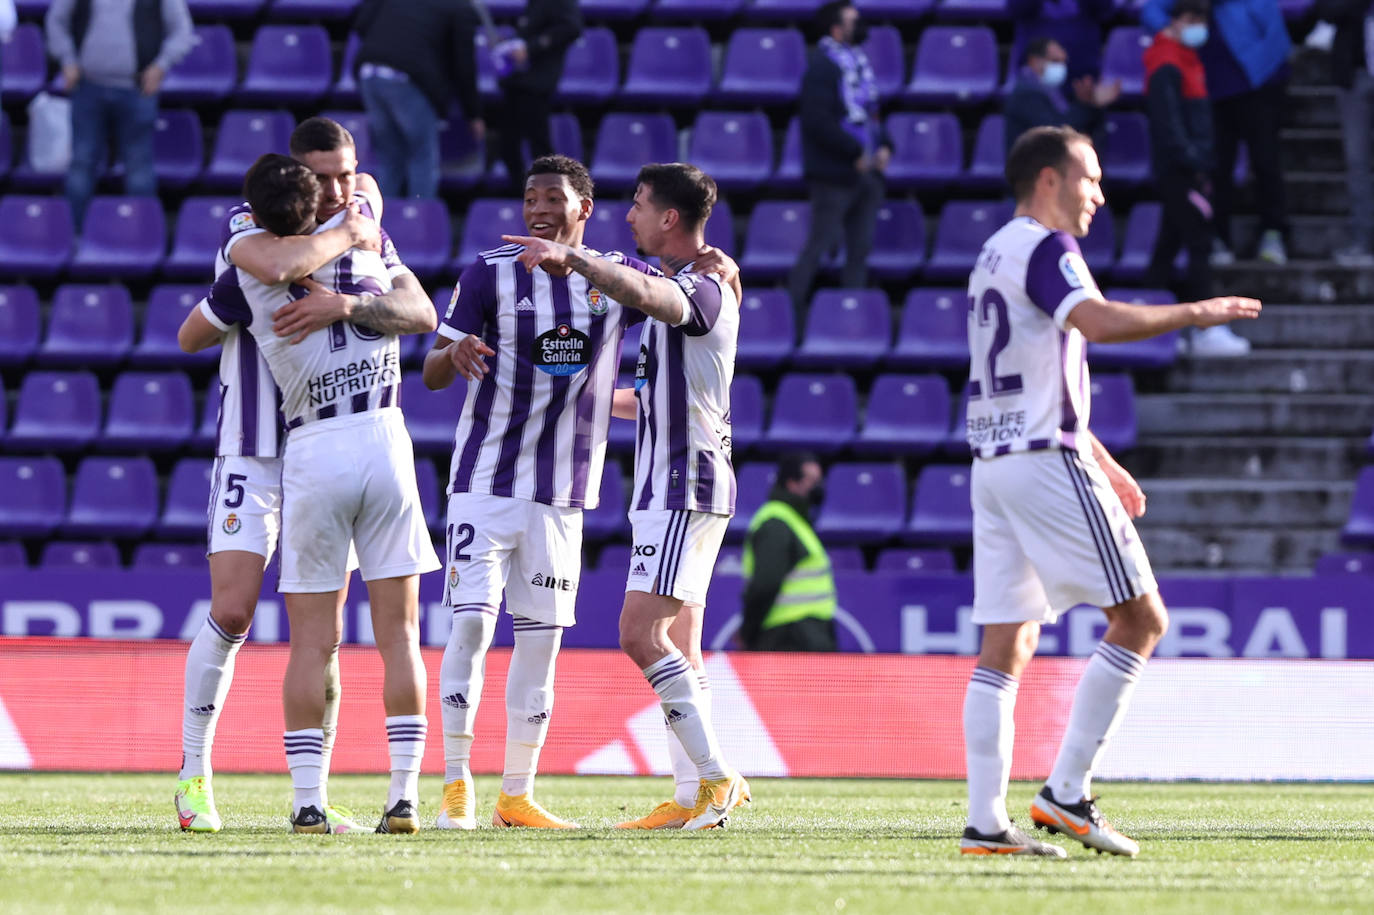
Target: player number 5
(235, 487)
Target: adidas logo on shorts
(639, 570)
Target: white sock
(303, 759)
(333, 695)
(1099, 704)
(680, 695)
(405, 737)
(460, 685)
(685, 780)
(529, 701)
(209, 671)
(989, 731)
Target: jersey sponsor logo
(240, 221)
(1075, 271)
(642, 367)
(452, 302)
(597, 303)
(561, 351)
(645, 549)
(688, 282)
(361, 375)
(232, 524)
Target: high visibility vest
(808, 591)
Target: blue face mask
(1055, 73)
(1194, 36)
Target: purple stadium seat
(355, 122)
(1358, 563)
(696, 10)
(209, 73)
(971, 10)
(149, 411)
(777, 230)
(956, 441)
(58, 411)
(197, 237)
(846, 558)
(1125, 151)
(752, 483)
(929, 149)
(668, 66)
(207, 431)
(762, 66)
(225, 9)
(486, 221)
(305, 10)
(720, 228)
(1122, 59)
(1153, 353)
(746, 412)
(1099, 247)
(4, 410)
(112, 497)
(913, 561)
(625, 141)
(794, 10)
(940, 508)
(462, 157)
(1113, 411)
(170, 556)
(1359, 529)
(345, 88)
(733, 147)
(933, 331)
(6, 146)
(613, 9)
(1138, 244)
(788, 176)
(123, 238)
(864, 503)
(288, 64)
(242, 137)
(591, 72)
(954, 66)
(12, 554)
(767, 329)
(908, 415)
(816, 412)
(846, 329)
(88, 326)
(986, 170)
(23, 64)
(566, 133)
(432, 502)
(36, 235)
(188, 495)
(964, 226)
(885, 56)
(609, 518)
(67, 554)
(607, 229)
(899, 243)
(19, 325)
(878, 10)
(421, 233)
(178, 150)
(432, 416)
(33, 496)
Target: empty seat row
(102, 554)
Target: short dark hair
(578, 177)
(790, 465)
(1037, 47)
(283, 193)
(1035, 150)
(1201, 8)
(320, 135)
(682, 187)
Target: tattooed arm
(656, 296)
(404, 310)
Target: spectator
(1350, 71)
(114, 55)
(414, 55)
(1037, 98)
(1075, 24)
(1246, 59)
(535, 59)
(1181, 155)
(789, 595)
(845, 150)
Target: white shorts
(1048, 534)
(351, 478)
(529, 550)
(245, 505)
(675, 553)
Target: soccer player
(348, 476)
(1051, 509)
(684, 484)
(245, 508)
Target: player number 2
(993, 310)
(466, 533)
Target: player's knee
(234, 616)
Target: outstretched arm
(1102, 321)
(656, 296)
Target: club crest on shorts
(232, 523)
(596, 301)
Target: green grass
(109, 842)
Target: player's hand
(362, 232)
(713, 260)
(151, 79)
(469, 357)
(315, 311)
(881, 157)
(539, 251)
(1211, 312)
(71, 75)
(478, 128)
(1126, 488)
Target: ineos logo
(645, 549)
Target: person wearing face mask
(789, 598)
(1038, 100)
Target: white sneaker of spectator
(1356, 255)
(1221, 255)
(1271, 248)
(1218, 341)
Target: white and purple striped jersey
(250, 405)
(535, 426)
(682, 387)
(340, 370)
(1028, 371)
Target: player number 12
(993, 310)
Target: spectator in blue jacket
(1037, 98)
(1246, 60)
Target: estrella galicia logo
(561, 351)
(642, 367)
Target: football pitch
(95, 843)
